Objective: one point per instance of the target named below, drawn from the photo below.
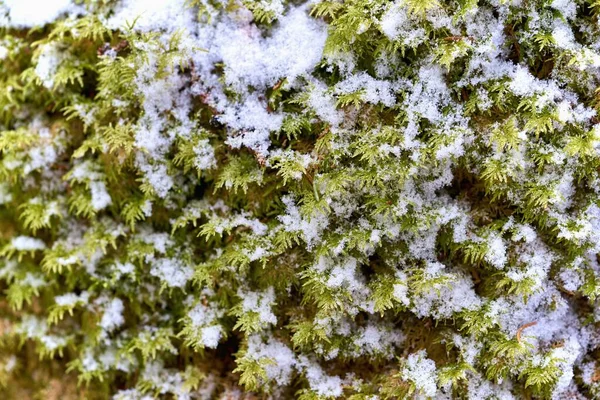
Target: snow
(260, 303)
(568, 8)
(377, 339)
(47, 63)
(70, 299)
(211, 335)
(33, 280)
(421, 371)
(85, 170)
(32, 326)
(426, 98)
(28, 13)
(243, 219)
(52, 342)
(172, 271)
(372, 90)
(396, 24)
(323, 384)
(564, 38)
(525, 233)
(588, 372)
(294, 48)
(283, 360)
(292, 221)
(151, 15)
(522, 82)
(343, 274)
(159, 240)
(26, 243)
(100, 197)
(205, 318)
(156, 175)
(496, 252)
(88, 362)
(147, 208)
(571, 279)
(205, 155)
(251, 62)
(10, 364)
(480, 388)
(400, 293)
(254, 123)
(41, 157)
(567, 354)
(124, 268)
(443, 300)
(5, 195)
(112, 317)
(323, 104)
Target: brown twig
(118, 47)
(458, 38)
(121, 45)
(278, 85)
(522, 328)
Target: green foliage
(150, 343)
(252, 372)
(410, 212)
(238, 173)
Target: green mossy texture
(416, 215)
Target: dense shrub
(365, 199)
